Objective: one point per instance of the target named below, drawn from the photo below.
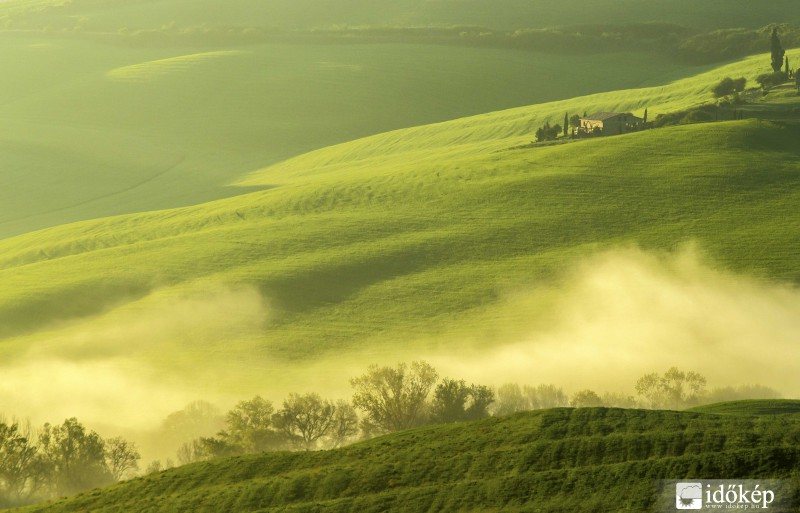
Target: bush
(768, 80)
(729, 86)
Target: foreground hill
(583, 460)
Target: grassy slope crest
(579, 460)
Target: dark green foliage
(22, 470)
(725, 44)
(547, 132)
(768, 80)
(777, 51)
(74, 458)
(729, 86)
(585, 399)
(455, 401)
(577, 460)
(566, 123)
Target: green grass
(760, 407)
(413, 235)
(583, 460)
(81, 139)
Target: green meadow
(457, 234)
(92, 129)
(208, 200)
(577, 460)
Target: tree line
(64, 459)
(59, 460)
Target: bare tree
(306, 418)
(394, 398)
(510, 400)
(345, 425)
(545, 396)
(675, 389)
(122, 458)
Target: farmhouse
(610, 123)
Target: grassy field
(763, 407)
(90, 129)
(583, 460)
(417, 241)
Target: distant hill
(508, 14)
(584, 460)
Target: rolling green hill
(80, 138)
(560, 460)
(422, 240)
(90, 129)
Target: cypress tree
(777, 51)
(645, 116)
(566, 124)
(786, 65)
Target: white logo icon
(689, 495)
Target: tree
(585, 399)
(510, 400)
(22, 474)
(777, 51)
(345, 425)
(199, 418)
(394, 398)
(728, 86)
(768, 80)
(191, 452)
(566, 123)
(306, 418)
(675, 389)
(455, 401)
(786, 66)
(75, 457)
(545, 396)
(250, 426)
(644, 120)
(575, 121)
(547, 132)
(122, 457)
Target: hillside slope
(90, 128)
(561, 460)
(414, 242)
